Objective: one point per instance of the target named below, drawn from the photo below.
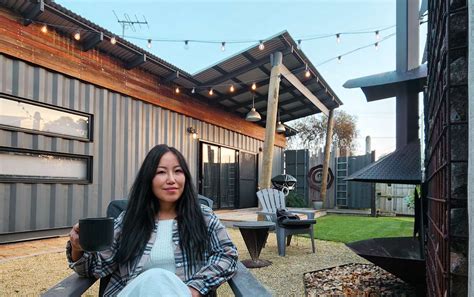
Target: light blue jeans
(156, 282)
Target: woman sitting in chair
(165, 242)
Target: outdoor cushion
(297, 224)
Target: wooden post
(272, 108)
(373, 204)
(327, 154)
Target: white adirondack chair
(273, 199)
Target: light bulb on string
(376, 45)
(193, 91)
(211, 92)
(377, 35)
(339, 58)
(149, 43)
(299, 44)
(261, 46)
(77, 36)
(223, 46)
(338, 38)
(44, 29)
(186, 44)
(307, 72)
(113, 40)
(254, 86)
(231, 89)
(177, 90)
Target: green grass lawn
(348, 228)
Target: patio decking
(229, 216)
(56, 244)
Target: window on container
(31, 166)
(21, 115)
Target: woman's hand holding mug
(77, 250)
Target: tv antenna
(127, 22)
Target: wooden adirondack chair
(243, 283)
(273, 199)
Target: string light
(44, 29)
(261, 46)
(339, 59)
(186, 44)
(338, 37)
(307, 72)
(356, 49)
(260, 42)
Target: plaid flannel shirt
(219, 263)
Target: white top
(162, 253)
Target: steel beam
(139, 60)
(30, 15)
(93, 41)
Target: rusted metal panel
(446, 153)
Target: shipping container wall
(124, 129)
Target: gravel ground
(356, 280)
(31, 276)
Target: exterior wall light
(192, 130)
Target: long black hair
(143, 206)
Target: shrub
(410, 199)
(295, 200)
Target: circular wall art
(315, 176)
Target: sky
(253, 20)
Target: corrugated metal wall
(297, 165)
(352, 194)
(124, 130)
(360, 194)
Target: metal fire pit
(397, 255)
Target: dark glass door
(228, 181)
(247, 180)
(219, 173)
(209, 179)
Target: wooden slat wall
(61, 54)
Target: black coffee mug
(96, 234)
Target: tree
(312, 132)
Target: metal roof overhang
(254, 66)
(403, 166)
(241, 70)
(385, 85)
